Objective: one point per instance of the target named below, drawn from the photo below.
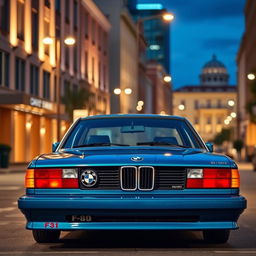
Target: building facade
(35, 71)
(246, 62)
(123, 57)
(156, 31)
(210, 106)
(161, 90)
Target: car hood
(117, 156)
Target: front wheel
(46, 236)
(216, 236)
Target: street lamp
(168, 17)
(251, 76)
(167, 79)
(69, 41)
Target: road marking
(10, 188)
(7, 209)
(51, 252)
(236, 252)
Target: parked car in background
(132, 172)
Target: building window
(19, 74)
(66, 87)
(47, 3)
(219, 121)
(55, 89)
(66, 56)
(67, 10)
(93, 69)
(57, 5)
(99, 38)
(219, 103)
(208, 104)
(75, 58)
(4, 16)
(209, 120)
(104, 77)
(86, 24)
(93, 31)
(75, 15)
(196, 104)
(34, 24)
(20, 20)
(46, 34)
(196, 120)
(46, 85)
(99, 72)
(86, 64)
(4, 68)
(34, 80)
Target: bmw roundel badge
(89, 178)
(137, 158)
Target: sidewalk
(245, 166)
(14, 168)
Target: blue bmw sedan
(132, 172)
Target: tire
(218, 236)
(46, 236)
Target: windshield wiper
(160, 143)
(100, 145)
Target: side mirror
(209, 145)
(54, 146)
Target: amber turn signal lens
(235, 179)
(29, 179)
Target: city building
(161, 91)
(246, 62)
(210, 106)
(156, 31)
(123, 57)
(42, 51)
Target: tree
(76, 99)
(238, 145)
(224, 135)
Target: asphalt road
(15, 240)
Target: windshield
(132, 132)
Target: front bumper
(211, 212)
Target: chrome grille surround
(126, 176)
(146, 182)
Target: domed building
(211, 105)
(214, 73)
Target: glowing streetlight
(251, 76)
(231, 103)
(229, 118)
(48, 40)
(168, 17)
(181, 107)
(139, 108)
(233, 114)
(140, 103)
(117, 91)
(226, 122)
(70, 40)
(167, 79)
(128, 91)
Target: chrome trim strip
(136, 178)
(153, 178)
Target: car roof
(133, 116)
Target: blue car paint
(216, 208)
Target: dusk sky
(202, 28)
